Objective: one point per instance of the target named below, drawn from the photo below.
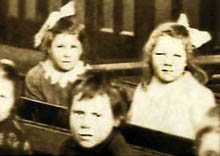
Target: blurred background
(117, 31)
(117, 28)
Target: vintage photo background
(117, 30)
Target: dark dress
(114, 145)
(12, 138)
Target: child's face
(6, 97)
(91, 120)
(65, 51)
(168, 58)
(210, 144)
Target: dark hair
(94, 83)
(67, 25)
(10, 73)
(177, 31)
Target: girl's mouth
(85, 136)
(66, 61)
(167, 71)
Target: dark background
(117, 29)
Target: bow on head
(66, 10)
(198, 38)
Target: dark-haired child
(97, 108)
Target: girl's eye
(60, 46)
(73, 46)
(96, 114)
(159, 53)
(177, 55)
(2, 96)
(78, 112)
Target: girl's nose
(168, 60)
(67, 52)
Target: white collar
(62, 78)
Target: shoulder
(119, 146)
(35, 71)
(35, 74)
(198, 89)
(201, 97)
(139, 93)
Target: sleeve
(32, 84)
(202, 104)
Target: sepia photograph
(110, 77)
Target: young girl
(50, 80)
(171, 99)
(12, 139)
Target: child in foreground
(12, 137)
(97, 109)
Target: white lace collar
(62, 78)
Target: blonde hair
(176, 31)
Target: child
(207, 140)
(12, 139)
(171, 99)
(98, 107)
(50, 80)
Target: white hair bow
(198, 38)
(7, 62)
(66, 10)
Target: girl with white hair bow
(172, 98)
(62, 38)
